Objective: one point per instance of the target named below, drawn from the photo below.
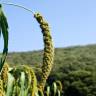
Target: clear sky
(72, 22)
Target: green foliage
(4, 31)
(22, 82)
(72, 65)
(54, 90)
(79, 83)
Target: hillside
(78, 55)
(74, 66)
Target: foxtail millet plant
(48, 50)
(1, 88)
(4, 75)
(21, 80)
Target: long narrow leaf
(4, 31)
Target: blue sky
(72, 22)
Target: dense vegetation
(74, 66)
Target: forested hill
(75, 67)
(78, 55)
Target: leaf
(4, 31)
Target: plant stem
(20, 6)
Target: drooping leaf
(4, 32)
